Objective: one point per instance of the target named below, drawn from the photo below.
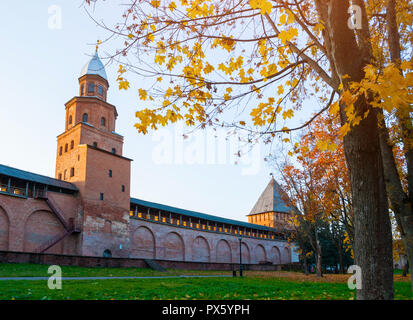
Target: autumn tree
(251, 64)
(315, 178)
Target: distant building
(271, 209)
(87, 209)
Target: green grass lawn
(39, 270)
(254, 285)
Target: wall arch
(143, 243)
(224, 253)
(40, 227)
(276, 255)
(246, 255)
(260, 254)
(200, 250)
(4, 229)
(173, 247)
(286, 255)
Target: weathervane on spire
(97, 45)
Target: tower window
(103, 121)
(72, 172)
(95, 144)
(101, 196)
(100, 90)
(66, 146)
(60, 151)
(91, 87)
(110, 173)
(60, 176)
(72, 144)
(64, 176)
(70, 119)
(82, 87)
(85, 117)
(113, 150)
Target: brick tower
(89, 155)
(270, 209)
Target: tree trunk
(340, 259)
(318, 257)
(373, 238)
(401, 202)
(305, 265)
(406, 268)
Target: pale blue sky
(39, 71)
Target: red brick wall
(142, 243)
(173, 247)
(200, 250)
(154, 240)
(4, 230)
(31, 223)
(224, 253)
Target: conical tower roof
(94, 66)
(270, 200)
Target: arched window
(70, 119)
(113, 150)
(66, 146)
(100, 90)
(72, 144)
(91, 87)
(95, 144)
(110, 173)
(107, 253)
(103, 121)
(72, 172)
(82, 87)
(64, 176)
(60, 176)
(85, 117)
(60, 150)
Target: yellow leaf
(172, 6)
(155, 3)
(288, 114)
(142, 94)
(280, 90)
(334, 108)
